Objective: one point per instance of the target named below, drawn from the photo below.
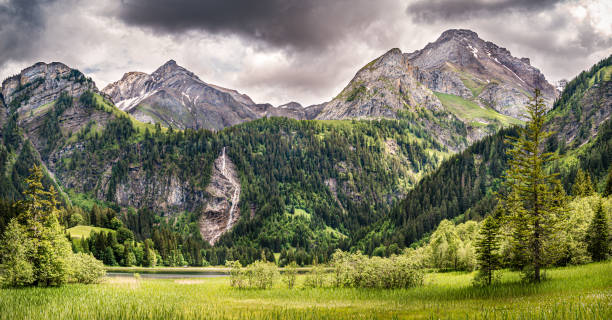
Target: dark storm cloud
(300, 24)
(430, 11)
(21, 23)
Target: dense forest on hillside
(464, 185)
(311, 185)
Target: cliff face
(578, 121)
(380, 89)
(43, 83)
(221, 212)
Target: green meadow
(579, 292)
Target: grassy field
(470, 111)
(85, 231)
(583, 292)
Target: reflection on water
(168, 275)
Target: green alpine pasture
(470, 111)
(84, 231)
(579, 292)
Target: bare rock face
(577, 127)
(221, 211)
(174, 96)
(380, 89)
(43, 83)
(386, 86)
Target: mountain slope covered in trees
(309, 186)
(463, 186)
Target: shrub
(359, 271)
(259, 274)
(85, 268)
(290, 274)
(262, 274)
(237, 274)
(316, 278)
(16, 270)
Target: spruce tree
(608, 188)
(533, 187)
(487, 245)
(598, 240)
(583, 187)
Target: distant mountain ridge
(174, 96)
(460, 77)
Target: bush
(262, 274)
(259, 274)
(316, 278)
(359, 271)
(290, 274)
(85, 268)
(237, 274)
(76, 219)
(16, 269)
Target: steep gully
(221, 211)
(236, 195)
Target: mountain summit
(462, 64)
(174, 96)
(458, 78)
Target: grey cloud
(430, 11)
(299, 24)
(21, 24)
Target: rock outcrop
(578, 126)
(221, 211)
(43, 83)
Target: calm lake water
(168, 275)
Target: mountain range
(475, 83)
(217, 168)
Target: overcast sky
(293, 50)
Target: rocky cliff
(221, 212)
(42, 83)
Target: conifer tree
(487, 245)
(583, 187)
(533, 187)
(608, 188)
(598, 238)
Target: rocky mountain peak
(457, 34)
(171, 69)
(42, 83)
(291, 105)
(459, 62)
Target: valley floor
(582, 292)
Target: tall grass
(583, 292)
